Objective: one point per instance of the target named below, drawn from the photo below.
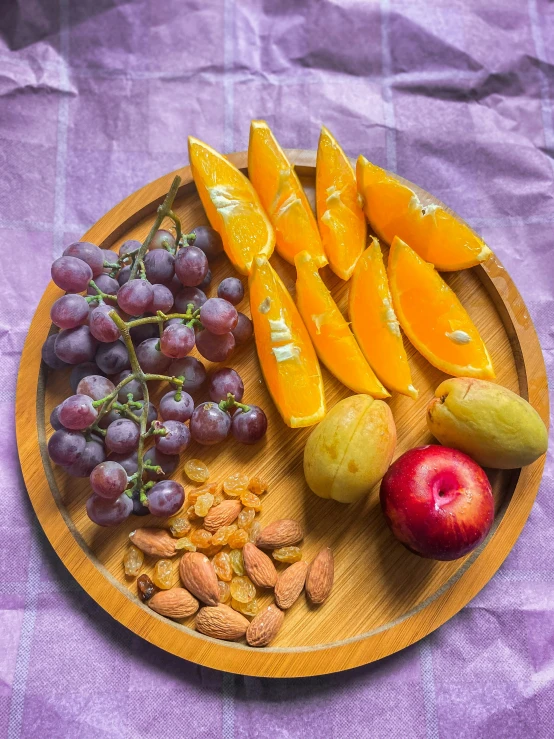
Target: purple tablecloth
(97, 98)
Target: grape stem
(163, 211)
(230, 403)
(100, 296)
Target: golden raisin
(247, 609)
(224, 591)
(287, 554)
(191, 514)
(132, 561)
(254, 531)
(163, 574)
(201, 538)
(146, 588)
(222, 566)
(221, 536)
(196, 470)
(235, 485)
(242, 589)
(211, 550)
(179, 526)
(237, 562)
(218, 498)
(256, 486)
(250, 500)
(238, 539)
(203, 504)
(246, 517)
(186, 544)
(193, 495)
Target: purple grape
(143, 331)
(176, 410)
(209, 424)
(231, 289)
(218, 316)
(224, 381)
(93, 454)
(71, 274)
(174, 285)
(122, 436)
(152, 412)
(177, 341)
(102, 326)
(109, 512)
(243, 330)
(174, 322)
(95, 386)
(206, 281)
(134, 387)
(191, 266)
(162, 239)
(75, 345)
(124, 275)
(129, 462)
(249, 426)
(65, 447)
(108, 480)
(55, 418)
(131, 246)
(135, 297)
(111, 263)
(69, 311)
(176, 440)
(209, 241)
(89, 253)
(139, 509)
(165, 498)
(113, 358)
(162, 297)
(83, 370)
(107, 284)
(187, 296)
(109, 418)
(191, 369)
(159, 266)
(150, 358)
(77, 412)
(49, 356)
(167, 462)
(215, 348)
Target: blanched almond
(264, 626)
(319, 579)
(290, 584)
(198, 576)
(174, 603)
(222, 515)
(221, 622)
(156, 542)
(281, 533)
(259, 568)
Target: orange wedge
(340, 217)
(331, 336)
(232, 206)
(282, 196)
(433, 318)
(287, 358)
(374, 322)
(393, 209)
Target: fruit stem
(100, 296)
(230, 403)
(177, 221)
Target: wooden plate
(384, 597)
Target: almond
(259, 568)
(290, 584)
(221, 622)
(319, 579)
(156, 542)
(198, 576)
(264, 626)
(281, 533)
(174, 603)
(222, 515)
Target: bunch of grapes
(124, 321)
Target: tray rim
(272, 662)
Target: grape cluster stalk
(140, 317)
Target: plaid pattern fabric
(96, 99)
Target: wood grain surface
(384, 597)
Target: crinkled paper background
(96, 99)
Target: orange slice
(340, 217)
(232, 206)
(287, 358)
(393, 209)
(332, 338)
(433, 318)
(374, 322)
(282, 196)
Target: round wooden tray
(384, 598)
